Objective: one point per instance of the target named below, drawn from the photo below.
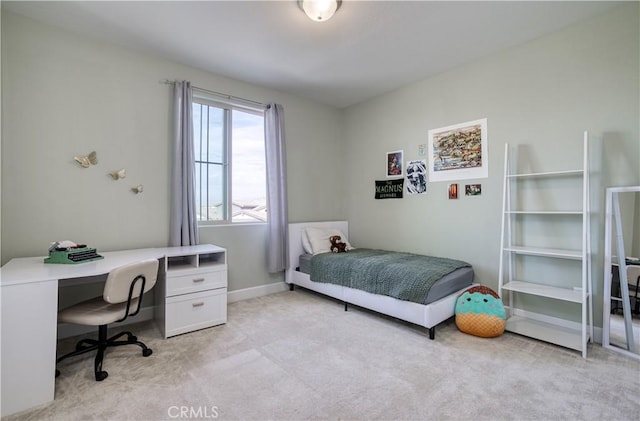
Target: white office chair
(121, 298)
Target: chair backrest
(119, 280)
(633, 273)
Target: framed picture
(453, 191)
(394, 164)
(459, 151)
(422, 149)
(473, 189)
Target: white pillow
(306, 244)
(318, 239)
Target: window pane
(210, 192)
(216, 125)
(208, 133)
(249, 182)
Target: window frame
(204, 98)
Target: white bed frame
(427, 316)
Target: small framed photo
(422, 149)
(394, 164)
(473, 189)
(453, 191)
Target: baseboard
(597, 335)
(66, 330)
(253, 292)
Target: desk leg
(28, 344)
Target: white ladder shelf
(549, 294)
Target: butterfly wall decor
(137, 189)
(118, 175)
(88, 160)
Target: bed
(437, 307)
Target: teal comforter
(404, 276)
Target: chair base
(88, 345)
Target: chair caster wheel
(57, 372)
(147, 352)
(101, 375)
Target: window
(230, 168)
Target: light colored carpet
(299, 356)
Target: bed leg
(432, 332)
(291, 286)
(345, 306)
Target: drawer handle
(198, 280)
(198, 304)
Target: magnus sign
(389, 189)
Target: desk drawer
(185, 313)
(195, 282)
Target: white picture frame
(394, 161)
(459, 151)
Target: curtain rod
(226, 96)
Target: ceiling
(368, 48)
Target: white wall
(543, 94)
(65, 94)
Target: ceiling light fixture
(319, 10)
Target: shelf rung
(546, 174)
(544, 212)
(564, 294)
(532, 251)
(559, 335)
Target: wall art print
(417, 176)
(473, 189)
(394, 163)
(453, 191)
(459, 151)
(389, 189)
(422, 149)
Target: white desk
(29, 298)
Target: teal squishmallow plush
(480, 312)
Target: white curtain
(276, 188)
(184, 224)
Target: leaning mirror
(621, 307)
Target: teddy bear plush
(337, 245)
